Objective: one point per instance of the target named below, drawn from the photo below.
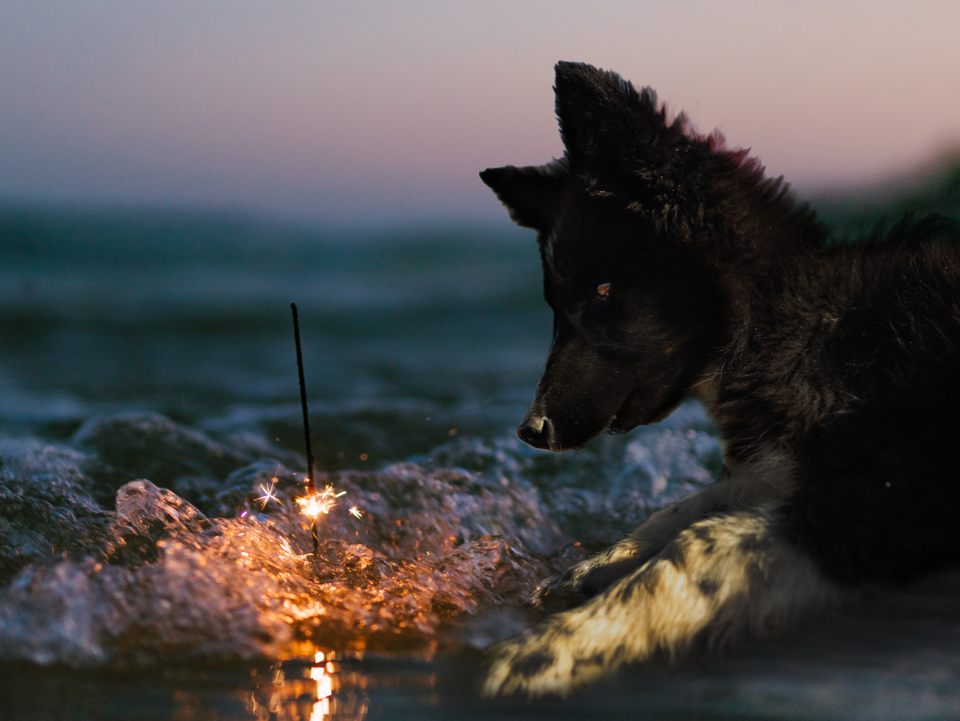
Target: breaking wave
(141, 539)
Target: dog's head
(630, 222)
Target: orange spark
(321, 502)
(268, 494)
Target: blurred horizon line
(923, 178)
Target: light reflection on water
(328, 686)
(301, 690)
(322, 674)
(897, 657)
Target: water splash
(209, 570)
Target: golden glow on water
(321, 708)
(311, 688)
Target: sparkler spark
(321, 502)
(309, 506)
(268, 494)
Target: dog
(675, 268)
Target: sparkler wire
(306, 424)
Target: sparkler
(313, 504)
(311, 486)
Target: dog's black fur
(673, 268)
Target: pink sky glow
(383, 113)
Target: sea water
(152, 454)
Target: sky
(380, 114)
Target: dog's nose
(535, 431)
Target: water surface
(153, 562)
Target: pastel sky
(367, 113)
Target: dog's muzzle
(536, 431)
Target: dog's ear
(532, 194)
(619, 145)
(603, 119)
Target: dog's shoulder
(829, 331)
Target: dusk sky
(367, 114)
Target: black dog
(673, 268)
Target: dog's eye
(603, 291)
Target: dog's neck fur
(759, 243)
(816, 309)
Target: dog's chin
(629, 415)
(633, 412)
(558, 442)
(637, 409)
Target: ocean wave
(142, 538)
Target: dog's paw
(538, 664)
(560, 592)
(523, 668)
(724, 579)
(588, 578)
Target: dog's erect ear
(619, 145)
(603, 117)
(531, 194)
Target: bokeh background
(173, 175)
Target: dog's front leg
(590, 577)
(723, 579)
(768, 476)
